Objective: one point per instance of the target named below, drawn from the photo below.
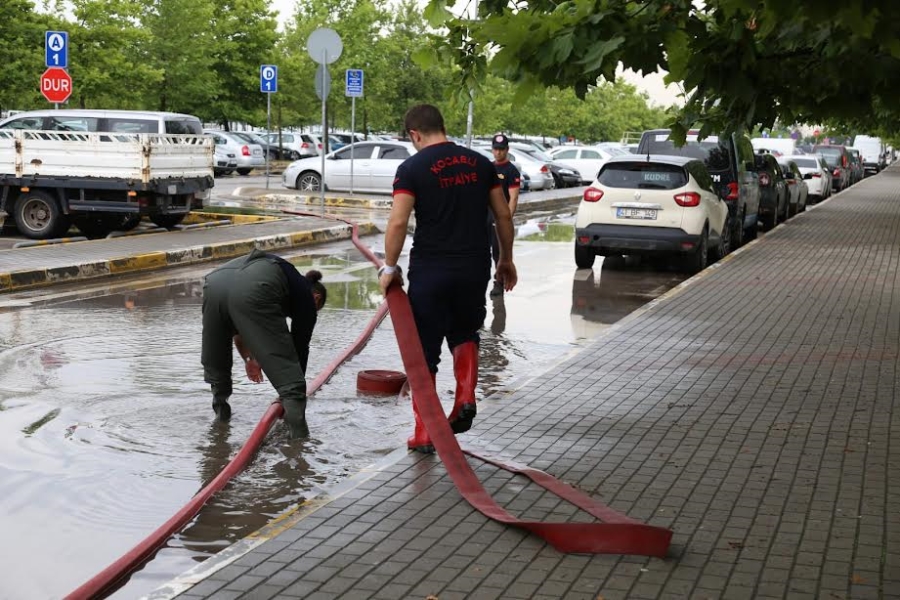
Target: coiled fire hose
(617, 533)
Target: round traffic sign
(268, 73)
(56, 85)
(324, 45)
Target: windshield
(642, 175)
(806, 163)
(710, 150)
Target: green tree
(181, 50)
(105, 55)
(245, 36)
(745, 63)
(21, 54)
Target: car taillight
(320, 146)
(837, 172)
(592, 194)
(764, 179)
(544, 169)
(304, 145)
(732, 191)
(688, 199)
(245, 150)
(816, 175)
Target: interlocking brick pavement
(751, 410)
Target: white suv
(652, 205)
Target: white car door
(338, 166)
(589, 163)
(384, 167)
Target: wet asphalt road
(106, 430)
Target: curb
(279, 201)
(152, 261)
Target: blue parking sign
(56, 49)
(268, 79)
(354, 83)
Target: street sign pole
(352, 138)
(268, 131)
(324, 125)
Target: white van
(113, 121)
(872, 150)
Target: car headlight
(567, 171)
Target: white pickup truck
(99, 182)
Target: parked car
(345, 138)
(652, 205)
(586, 159)
(250, 137)
(294, 146)
(775, 146)
(773, 194)
(117, 121)
(374, 167)
(817, 176)
(224, 161)
(857, 170)
(732, 167)
(838, 160)
(872, 150)
(248, 156)
(563, 175)
(798, 192)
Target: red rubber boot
(420, 440)
(465, 369)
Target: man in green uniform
(247, 301)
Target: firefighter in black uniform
(451, 189)
(510, 181)
(247, 301)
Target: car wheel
(38, 216)
(244, 171)
(699, 258)
(584, 257)
(309, 181)
(558, 181)
(167, 221)
(724, 247)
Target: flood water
(106, 428)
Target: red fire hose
(616, 534)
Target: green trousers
(247, 296)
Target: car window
(71, 124)
(26, 123)
(359, 151)
(183, 127)
(394, 152)
(563, 154)
(642, 175)
(590, 154)
(806, 163)
(712, 152)
(131, 126)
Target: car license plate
(636, 213)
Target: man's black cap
(500, 141)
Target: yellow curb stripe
(5, 281)
(139, 262)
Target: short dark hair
(315, 282)
(424, 118)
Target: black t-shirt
(509, 176)
(451, 186)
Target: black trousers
(448, 302)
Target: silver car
(248, 156)
(374, 167)
(535, 172)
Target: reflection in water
(617, 290)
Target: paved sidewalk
(751, 410)
(23, 268)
